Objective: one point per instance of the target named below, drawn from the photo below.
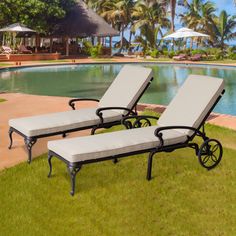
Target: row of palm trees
(154, 17)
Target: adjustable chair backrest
(193, 102)
(127, 87)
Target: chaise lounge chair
(22, 49)
(180, 57)
(196, 57)
(177, 126)
(7, 50)
(119, 101)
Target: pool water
(91, 81)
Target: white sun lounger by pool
(177, 126)
(119, 100)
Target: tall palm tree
(150, 18)
(199, 15)
(225, 25)
(118, 13)
(172, 5)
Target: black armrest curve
(72, 101)
(100, 114)
(158, 133)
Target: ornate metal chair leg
(10, 137)
(149, 169)
(73, 171)
(50, 164)
(29, 142)
(93, 130)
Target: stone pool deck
(20, 105)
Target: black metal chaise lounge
(182, 120)
(119, 100)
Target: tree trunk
(172, 9)
(130, 37)
(121, 40)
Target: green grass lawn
(182, 198)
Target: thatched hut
(82, 22)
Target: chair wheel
(210, 153)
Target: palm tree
(224, 27)
(199, 15)
(118, 13)
(150, 18)
(172, 4)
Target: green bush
(165, 53)
(93, 51)
(198, 51)
(96, 51)
(231, 53)
(171, 54)
(232, 56)
(155, 53)
(87, 47)
(219, 55)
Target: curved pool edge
(120, 61)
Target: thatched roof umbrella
(82, 21)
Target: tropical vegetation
(146, 20)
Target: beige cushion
(192, 102)
(109, 144)
(124, 91)
(61, 121)
(127, 87)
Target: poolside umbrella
(185, 33)
(16, 28)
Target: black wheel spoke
(214, 158)
(205, 159)
(215, 148)
(210, 153)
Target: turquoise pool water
(93, 80)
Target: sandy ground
(21, 105)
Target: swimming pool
(92, 80)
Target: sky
(226, 5)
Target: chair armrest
(197, 132)
(72, 101)
(139, 121)
(100, 114)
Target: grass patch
(5, 64)
(182, 198)
(2, 100)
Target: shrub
(155, 53)
(93, 51)
(198, 51)
(231, 53)
(87, 47)
(232, 56)
(96, 51)
(171, 54)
